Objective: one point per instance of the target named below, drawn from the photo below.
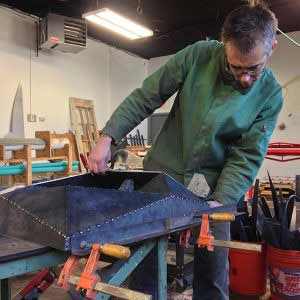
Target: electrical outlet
(31, 118)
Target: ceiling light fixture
(117, 23)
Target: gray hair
(250, 25)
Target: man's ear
(275, 43)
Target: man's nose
(245, 78)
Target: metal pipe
(21, 147)
(21, 141)
(54, 164)
(36, 144)
(284, 152)
(40, 165)
(283, 145)
(18, 171)
(52, 169)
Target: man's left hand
(214, 203)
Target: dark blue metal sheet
(139, 224)
(63, 213)
(94, 206)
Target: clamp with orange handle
(67, 271)
(89, 278)
(207, 240)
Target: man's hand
(100, 155)
(214, 204)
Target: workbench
(19, 257)
(135, 209)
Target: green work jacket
(213, 128)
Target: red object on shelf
(283, 150)
(184, 238)
(284, 145)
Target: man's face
(246, 68)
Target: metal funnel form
(66, 212)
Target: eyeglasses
(253, 71)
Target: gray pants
(211, 268)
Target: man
(220, 124)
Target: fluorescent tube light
(117, 23)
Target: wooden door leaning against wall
(84, 124)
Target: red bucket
(284, 272)
(247, 272)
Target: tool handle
(115, 251)
(226, 217)
(84, 161)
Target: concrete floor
(55, 292)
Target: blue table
(19, 257)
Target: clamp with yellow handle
(115, 251)
(207, 240)
(222, 217)
(89, 281)
(109, 250)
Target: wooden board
(28, 170)
(2, 152)
(49, 138)
(84, 125)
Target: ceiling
(176, 23)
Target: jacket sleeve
(247, 154)
(155, 91)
